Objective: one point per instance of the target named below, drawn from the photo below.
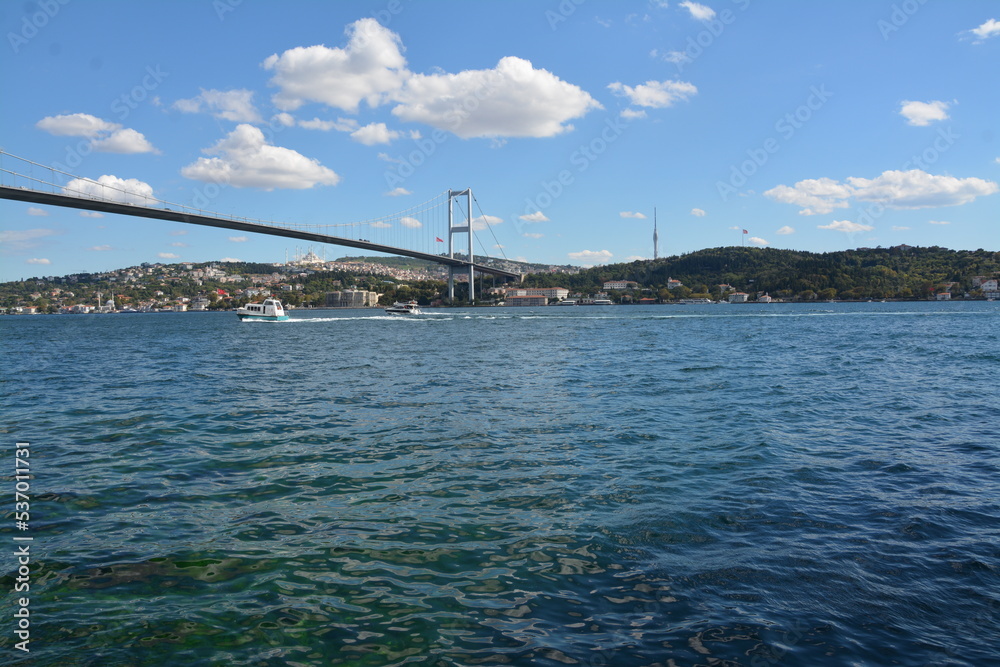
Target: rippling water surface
(701, 485)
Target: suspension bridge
(402, 233)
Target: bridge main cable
(70, 201)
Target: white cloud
(286, 119)
(412, 223)
(341, 124)
(918, 189)
(179, 232)
(633, 114)
(100, 248)
(230, 259)
(37, 260)
(816, 196)
(124, 141)
(239, 239)
(991, 28)
(677, 57)
(235, 105)
(179, 244)
(899, 229)
(167, 255)
(537, 216)
(635, 258)
(378, 224)
(700, 12)
(938, 222)
(37, 212)
(104, 136)
(484, 221)
(532, 235)
(111, 188)
(698, 213)
(846, 226)
(374, 133)
(784, 231)
(76, 125)
(756, 240)
(248, 161)
(591, 256)
(894, 189)
(632, 214)
(368, 69)
(91, 214)
(655, 94)
(398, 192)
(923, 113)
(24, 239)
(511, 100)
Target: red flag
(438, 240)
(745, 231)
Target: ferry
(403, 308)
(269, 311)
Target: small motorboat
(403, 308)
(269, 311)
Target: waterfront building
(738, 297)
(526, 300)
(351, 298)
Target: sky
(817, 126)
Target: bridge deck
(39, 197)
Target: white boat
(403, 308)
(269, 311)
(566, 302)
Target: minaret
(656, 238)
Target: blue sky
(818, 125)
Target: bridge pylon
(460, 229)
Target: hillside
(897, 272)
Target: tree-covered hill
(897, 272)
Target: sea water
(782, 484)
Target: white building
(738, 297)
(548, 292)
(620, 284)
(943, 296)
(526, 300)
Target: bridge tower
(460, 229)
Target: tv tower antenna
(656, 237)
